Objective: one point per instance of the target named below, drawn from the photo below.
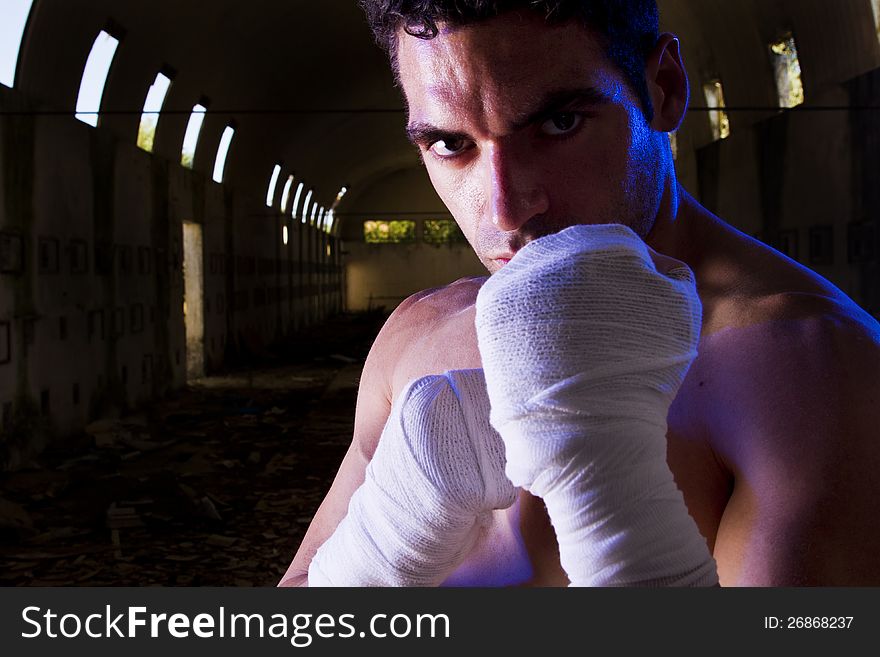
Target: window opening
(191, 136)
(223, 152)
(15, 17)
(285, 194)
(442, 231)
(296, 197)
(91, 87)
(389, 232)
(152, 109)
(787, 69)
(273, 183)
(305, 212)
(718, 119)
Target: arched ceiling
(308, 87)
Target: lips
(502, 258)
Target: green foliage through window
(146, 133)
(442, 231)
(389, 232)
(788, 72)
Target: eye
(562, 123)
(448, 147)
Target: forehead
(499, 62)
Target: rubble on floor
(214, 486)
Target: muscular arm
(796, 420)
(373, 407)
(429, 332)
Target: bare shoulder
(431, 332)
(423, 335)
(791, 399)
(438, 302)
(800, 347)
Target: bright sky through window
(314, 212)
(222, 152)
(152, 108)
(305, 214)
(284, 234)
(285, 194)
(91, 88)
(273, 183)
(329, 220)
(15, 15)
(191, 137)
(299, 189)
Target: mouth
(502, 258)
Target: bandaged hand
(436, 476)
(584, 346)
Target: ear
(667, 83)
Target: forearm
(625, 526)
(584, 345)
(437, 472)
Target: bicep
(373, 408)
(805, 452)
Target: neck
(663, 236)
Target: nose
(514, 190)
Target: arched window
(152, 109)
(329, 220)
(299, 189)
(273, 183)
(285, 194)
(12, 26)
(718, 119)
(305, 212)
(191, 137)
(223, 152)
(875, 5)
(787, 68)
(91, 87)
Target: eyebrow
(420, 132)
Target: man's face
(526, 129)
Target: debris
(122, 517)
(147, 482)
(207, 509)
(216, 540)
(13, 516)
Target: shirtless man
(527, 126)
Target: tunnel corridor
(212, 486)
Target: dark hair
(629, 27)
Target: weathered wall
(384, 274)
(794, 178)
(91, 288)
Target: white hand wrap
(584, 346)
(437, 473)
